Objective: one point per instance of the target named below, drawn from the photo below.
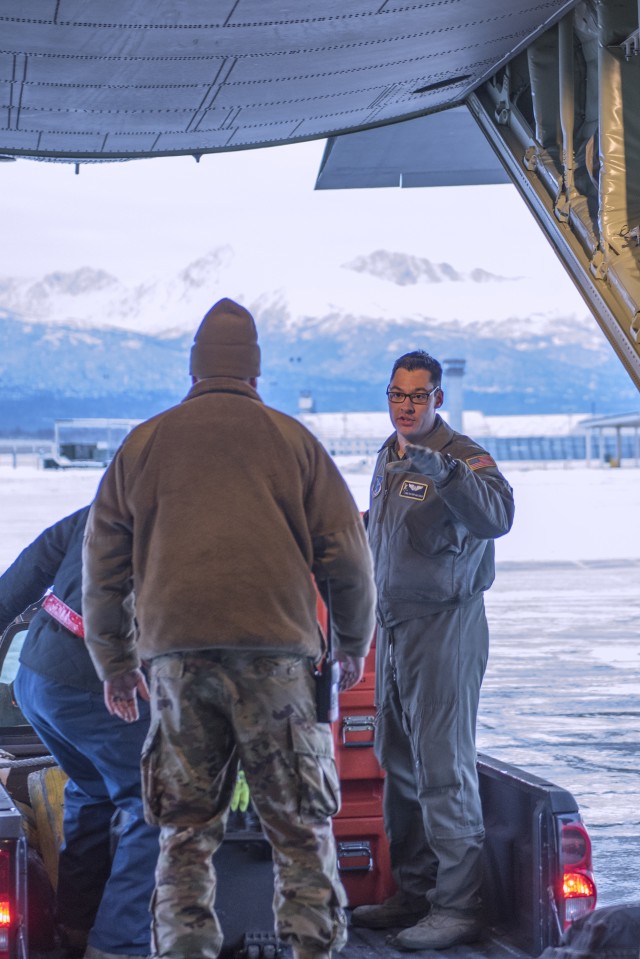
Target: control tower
(452, 385)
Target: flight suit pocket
(435, 553)
(318, 782)
(383, 738)
(434, 540)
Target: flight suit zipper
(385, 492)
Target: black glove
(427, 462)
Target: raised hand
(423, 460)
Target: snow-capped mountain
(86, 343)
(406, 270)
(382, 285)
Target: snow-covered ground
(562, 514)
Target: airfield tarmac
(561, 697)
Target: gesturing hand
(351, 670)
(423, 460)
(121, 694)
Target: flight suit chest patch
(412, 490)
(376, 486)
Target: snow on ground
(574, 514)
(562, 514)
(32, 499)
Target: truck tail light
(577, 895)
(7, 905)
(5, 927)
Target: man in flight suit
(218, 513)
(437, 503)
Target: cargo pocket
(318, 783)
(152, 787)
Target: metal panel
(439, 150)
(285, 71)
(200, 13)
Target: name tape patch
(411, 490)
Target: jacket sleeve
(342, 563)
(481, 499)
(34, 571)
(343, 571)
(107, 580)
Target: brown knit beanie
(226, 343)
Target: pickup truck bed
(370, 944)
(534, 834)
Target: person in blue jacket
(103, 893)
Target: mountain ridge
(83, 340)
(373, 284)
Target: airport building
(610, 440)
(603, 440)
(596, 440)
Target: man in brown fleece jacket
(218, 514)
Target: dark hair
(419, 360)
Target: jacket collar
(222, 384)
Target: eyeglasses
(418, 399)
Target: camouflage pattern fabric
(210, 712)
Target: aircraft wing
(115, 79)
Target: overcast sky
(140, 218)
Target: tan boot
(399, 909)
(440, 930)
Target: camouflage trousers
(210, 712)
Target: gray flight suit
(434, 557)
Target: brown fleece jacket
(206, 530)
